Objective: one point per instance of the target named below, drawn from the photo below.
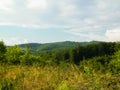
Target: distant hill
(39, 48)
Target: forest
(86, 66)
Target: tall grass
(55, 78)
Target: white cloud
(88, 33)
(113, 34)
(37, 4)
(101, 4)
(21, 25)
(67, 9)
(57, 13)
(82, 18)
(6, 5)
(89, 21)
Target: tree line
(16, 55)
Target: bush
(13, 55)
(114, 65)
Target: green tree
(26, 57)
(13, 54)
(114, 64)
(2, 51)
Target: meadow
(55, 78)
(91, 67)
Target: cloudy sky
(43, 21)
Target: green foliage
(117, 46)
(90, 67)
(114, 65)
(13, 54)
(63, 86)
(2, 51)
(6, 84)
(30, 60)
(100, 63)
(2, 47)
(99, 56)
(41, 48)
(17, 77)
(73, 55)
(92, 50)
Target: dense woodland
(92, 60)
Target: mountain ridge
(46, 47)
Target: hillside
(39, 48)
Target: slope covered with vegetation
(84, 67)
(40, 48)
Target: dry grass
(55, 78)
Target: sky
(45, 21)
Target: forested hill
(39, 48)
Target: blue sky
(43, 21)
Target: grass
(55, 78)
